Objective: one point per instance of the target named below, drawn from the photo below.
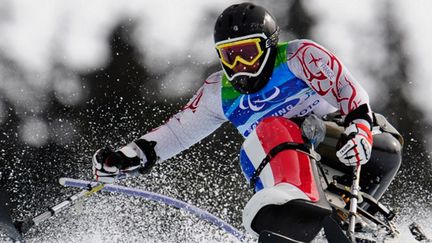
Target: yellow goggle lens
(246, 51)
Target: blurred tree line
(123, 104)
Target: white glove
(355, 145)
(110, 166)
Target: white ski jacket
(306, 78)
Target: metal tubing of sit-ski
(159, 198)
(355, 188)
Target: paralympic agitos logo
(247, 101)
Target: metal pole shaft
(59, 207)
(28, 223)
(355, 188)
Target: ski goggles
(247, 51)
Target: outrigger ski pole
(355, 188)
(24, 226)
(202, 214)
(93, 187)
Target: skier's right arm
(199, 118)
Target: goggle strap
(273, 39)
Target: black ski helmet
(245, 19)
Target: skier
(266, 89)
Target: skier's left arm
(327, 76)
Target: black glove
(110, 165)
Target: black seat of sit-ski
(299, 220)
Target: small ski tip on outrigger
(418, 233)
